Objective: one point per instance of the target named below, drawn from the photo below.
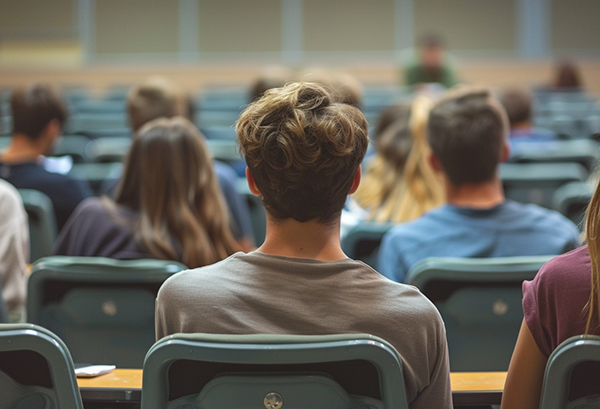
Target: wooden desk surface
(126, 384)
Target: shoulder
(543, 218)
(429, 225)
(11, 204)
(198, 278)
(562, 270)
(9, 196)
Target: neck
(313, 240)
(483, 195)
(23, 149)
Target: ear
(252, 183)
(356, 180)
(505, 152)
(434, 162)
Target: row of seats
(103, 309)
(215, 371)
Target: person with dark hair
(518, 104)
(303, 152)
(431, 65)
(168, 204)
(38, 116)
(467, 134)
(567, 77)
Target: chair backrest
(363, 241)
(212, 371)
(560, 373)
(480, 303)
(572, 200)
(582, 151)
(36, 370)
(102, 308)
(42, 223)
(537, 182)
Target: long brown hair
(399, 184)
(169, 180)
(592, 231)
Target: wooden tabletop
(126, 384)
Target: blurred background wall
(199, 41)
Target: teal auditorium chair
(572, 200)
(572, 375)
(102, 308)
(36, 370)
(363, 241)
(211, 371)
(537, 182)
(583, 151)
(42, 223)
(479, 300)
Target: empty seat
(572, 200)
(537, 182)
(479, 300)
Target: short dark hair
(34, 107)
(517, 102)
(303, 150)
(466, 131)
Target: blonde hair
(396, 190)
(592, 231)
(169, 180)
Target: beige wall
(137, 26)
(40, 30)
(468, 24)
(576, 25)
(348, 25)
(239, 26)
(37, 14)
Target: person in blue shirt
(518, 104)
(467, 133)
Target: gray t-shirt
(256, 293)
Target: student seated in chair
(157, 97)
(303, 152)
(38, 115)
(518, 104)
(467, 134)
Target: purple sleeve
(554, 302)
(533, 298)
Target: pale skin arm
(525, 374)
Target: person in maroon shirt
(560, 302)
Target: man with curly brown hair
(303, 152)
